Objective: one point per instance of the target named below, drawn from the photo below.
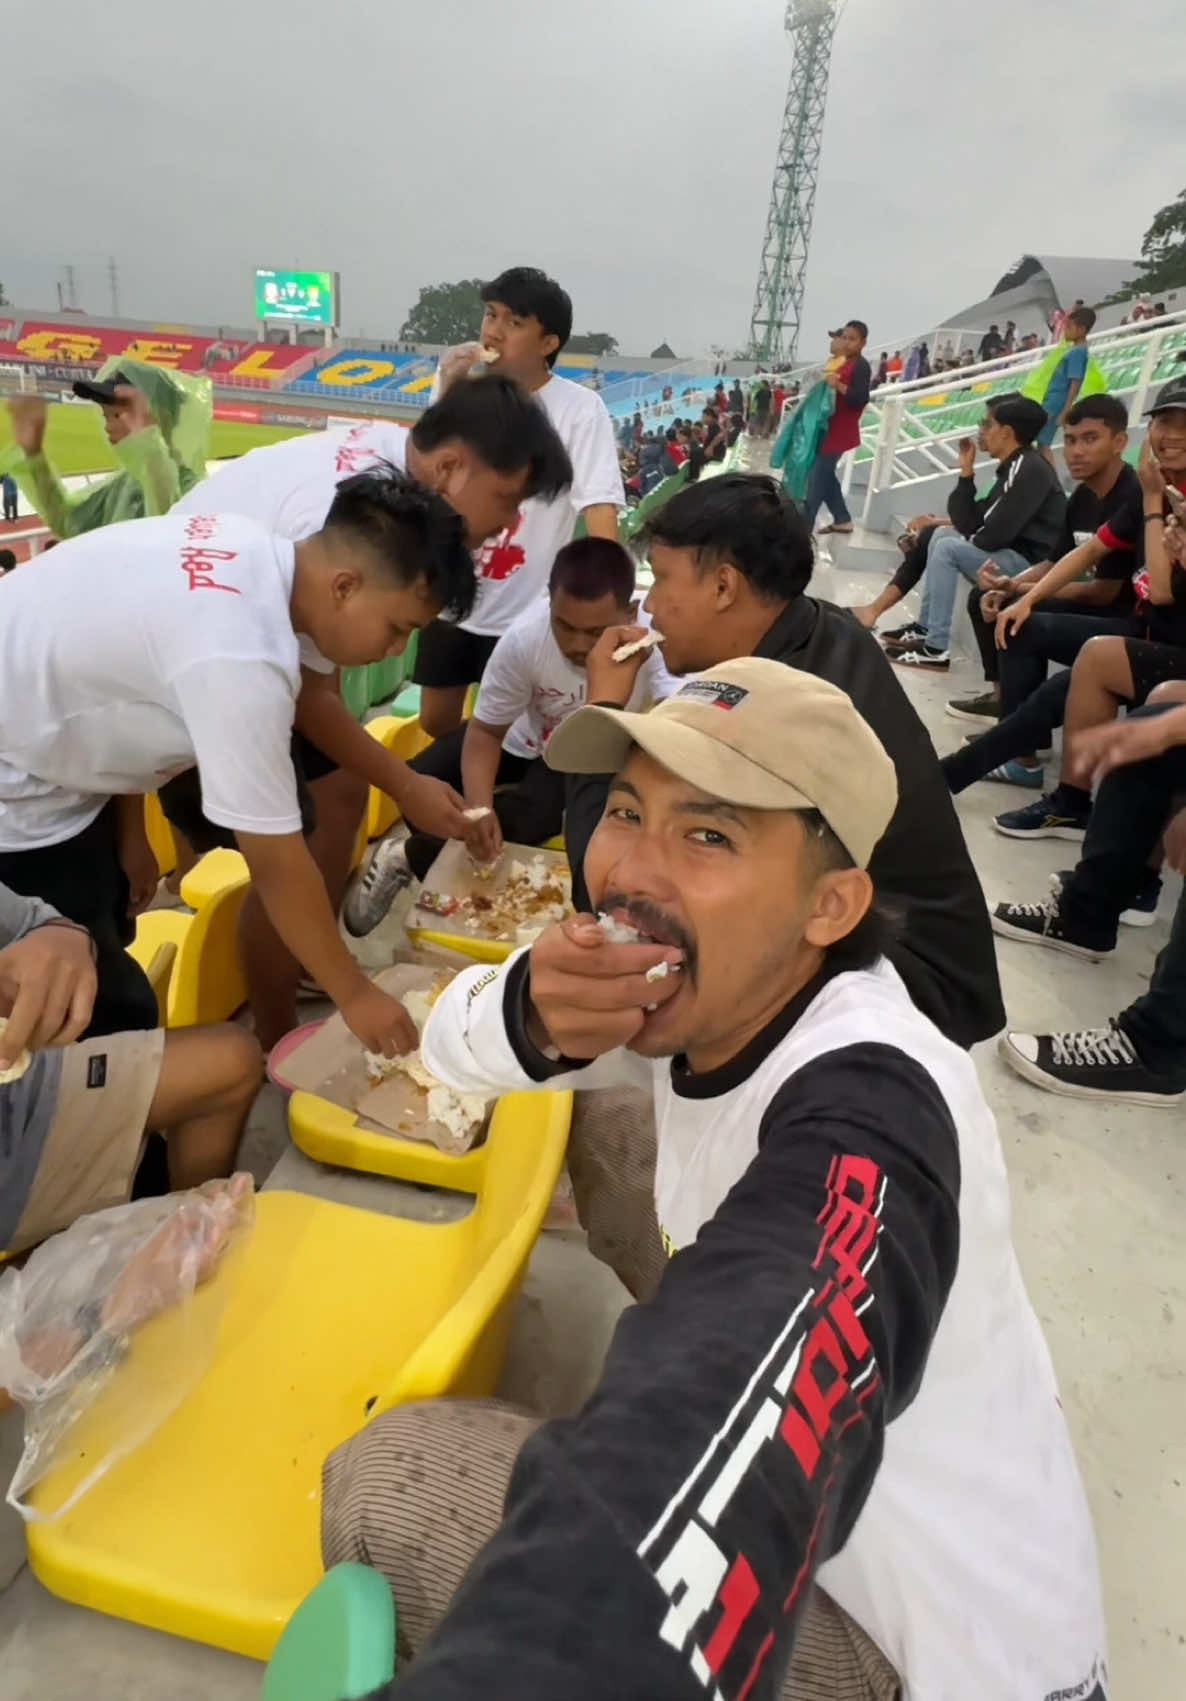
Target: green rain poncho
(800, 435)
(157, 465)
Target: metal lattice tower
(778, 299)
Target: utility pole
(68, 290)
(782, 274)
(113, 282)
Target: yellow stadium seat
(332, 1315)
(207, 982)
(158, 966)
(160, 834)
(333, 1135)
(404, 737)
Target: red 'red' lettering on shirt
(498, 557)
(197, 559)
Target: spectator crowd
(827, 1456)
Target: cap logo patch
(714, 691)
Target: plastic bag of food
(111, 1323)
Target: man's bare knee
(1170, 691)
(204, 1071)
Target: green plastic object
(355, 686)
(339, 1644)
(799, 438)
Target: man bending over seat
(485, 447)
(830, 1448)
(142, 650)
(534, 680)
(73, 1124)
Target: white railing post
(883, 455)
(1155, 341)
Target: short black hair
(858, 325)
(1084, 316)
(414, 534)
(7, 560)
(532, 294)
(743, 518)
(1109, 409)
(504, 426)
(592, 567)
(1025, 418)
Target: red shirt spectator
(853, 383)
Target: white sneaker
(376, 888)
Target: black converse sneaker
(1041, 924)
(1093, 1063)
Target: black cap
(92, 391)
(839, 332)
(1171, 395)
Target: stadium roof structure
(1036, 284)
(1070, 279)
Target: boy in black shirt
(1122, 669)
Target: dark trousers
(1028, 729)
(529, 801)
(823, 491)
(1030, 725)
(985, 633)
(1057, 634)
(10, 508)
(1130, 813)
(83, 880)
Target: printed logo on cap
(714, 691)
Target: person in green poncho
(158, 424)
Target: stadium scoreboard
(308, 298)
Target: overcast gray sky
(625, 145)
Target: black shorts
(448, 656)
(181, 799)
(1152, 664)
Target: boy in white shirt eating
(144, 649)
(534, 680)
(526, 322)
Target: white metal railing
(904, 445)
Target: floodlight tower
(782, 275)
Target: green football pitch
(75, 443)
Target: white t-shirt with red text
(530, 686)
(132, 653)
(288, 487)
(513, 568)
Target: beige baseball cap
(754, 733)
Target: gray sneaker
(983, 707)
(376, 888)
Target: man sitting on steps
(1016, 524)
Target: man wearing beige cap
(826, 1459)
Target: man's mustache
(649, 918)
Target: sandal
(840, 531)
